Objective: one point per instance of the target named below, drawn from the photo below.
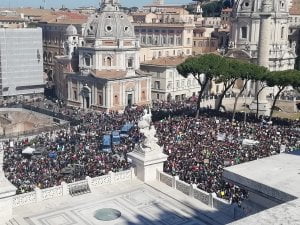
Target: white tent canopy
(249, 142)
(28, 150)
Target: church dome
(71, 30)
(109, 24)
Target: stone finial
(109, 5)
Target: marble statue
(150, 142)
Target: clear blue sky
(76, 3)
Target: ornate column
(264, 107)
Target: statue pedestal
(7, 191)
(146, 163)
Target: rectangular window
(100, 100)
(244, 32)
(157, 85)
(75, 95)
(171, 41)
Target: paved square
(138, 204)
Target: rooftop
(50, 16)
(166, 61)
(276, 176)
(12, 18)
(281, 172)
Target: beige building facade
(167, 83)
(163, 31)
(108, 63)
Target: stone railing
(53, 192)
(24, 199)
(39, 195)
(166, 179)
(191, 190)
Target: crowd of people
(72, 153)
(198, 148)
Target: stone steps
(13, 221)
(17, 221)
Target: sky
(76, 3)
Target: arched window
(143, 95)
(108, 61)
(116, 100)
(45, 57)
(50, 57)
(150, 40)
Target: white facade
(245, 32)
(21, 61)
(168, 84)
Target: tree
(248, 72)
(231, 72)
(203, 68)
(260, 86)
(282, 79)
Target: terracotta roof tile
(11, 18)
(166, 61)
(295, 8)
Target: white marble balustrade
(39, 195)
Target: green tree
(231, 72)
(282, 79)
(248, 72)
(260, 80)
(203, 68)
